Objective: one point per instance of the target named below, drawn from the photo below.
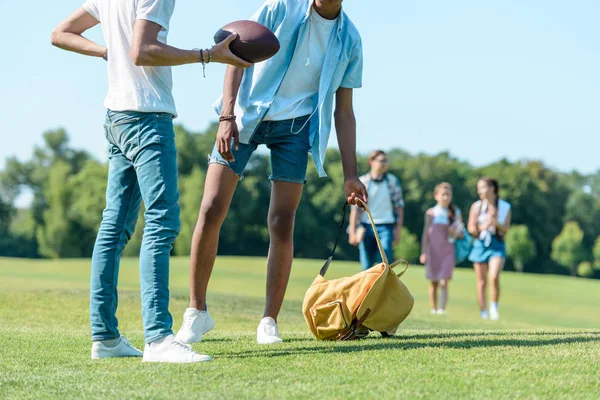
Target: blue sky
(484, 80)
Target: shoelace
(183, 346)
(188, 322)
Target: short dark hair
(376, 153)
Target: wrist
(227, 118)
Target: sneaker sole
(177, 362)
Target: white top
(503, 209)
(380, 204)
(440, 215)
(133, 88)
(298, 94)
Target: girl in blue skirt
(489, 220)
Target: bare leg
(443, 294)
(285, 197)
(433, 295)
(219, 187)
(481, 276)
(496, 265)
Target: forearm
(352, 222)
(425, 240)
(399, 218)
(425, 237)
(231, 86)
(77, 43)
(501, 229)
(157, 54)
(345, 124)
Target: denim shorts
(288, 142)
(482, 254)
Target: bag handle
(398, 262)
(379, 245)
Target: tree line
(556, 215)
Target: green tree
(54, 236)
(567, 249)
(519, 246)
(191, 188)
(584, 208)
(585, 269)
(89, 194)
(409, 247)
(596, 253)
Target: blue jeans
(142, 167)
(369, 252)
(289, 143)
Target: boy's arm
(146, 50)
(345, 125)
(228, 130)
(68, 34)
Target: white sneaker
(267, 331)
(433, 311)
(195, 324)
(484, 314)
(392, 332)
(494, 315)
(171, 350)
(440, 311)
(121, 348)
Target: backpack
(349, 308)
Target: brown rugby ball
(255, 42)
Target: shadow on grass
(451, 340)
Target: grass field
(546, 346)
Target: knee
(162, 225)
(444, 284)
(212, 212)
(481, 283)
(281, 224)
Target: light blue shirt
(342, 68)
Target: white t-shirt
(133, 88)
(298, 94)
(380, 203)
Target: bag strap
(379, 245)
(326, 265)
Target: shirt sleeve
(157, 11)
(353, 75)
(399, 197)
(267, 14)
(92, 8)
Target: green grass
(547, 344)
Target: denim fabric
(369, 252)
(142, 167)
(288, 142)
